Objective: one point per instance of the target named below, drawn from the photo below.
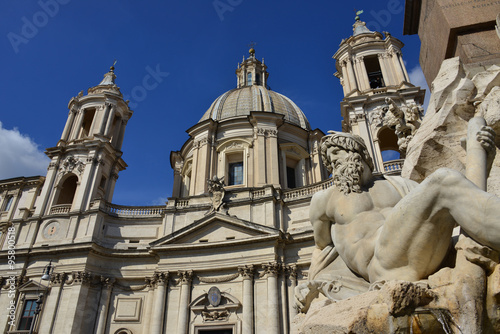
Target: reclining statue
(381, 228)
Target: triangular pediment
(216, 228)
(32, 286)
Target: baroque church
(226, 252)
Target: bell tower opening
(88, 118)
(374, 72)
(68, 190)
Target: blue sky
(53, 49)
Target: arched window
(68, 190)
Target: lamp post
(47, 271)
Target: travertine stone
(457, 97)
(389, 228)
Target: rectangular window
(290, 177)
(216, 331)
(235, 173)
(249, 79)
(374, 72)
(8, 202)
(28, 315)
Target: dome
(241, 101)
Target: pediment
(216, 228)
(32, 286)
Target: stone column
(194, 169)
(75, 316)
(352, 77)
(403, 67)
(247, 273)
(261, 157)
(273, 168)
(48, 187)
(51, 303)
(109, 122)
(398, 71)
(69, 124)
(102, 315)
(292, 274)
(161, 280)
(364, 82)
(121, 135)
(344, 77)
(271, 269)
(148, 305)
(79, 122)
(104, 118)
(183, 318)
(385, 72)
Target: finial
(252, 50)
(112, 68)
(358, 13)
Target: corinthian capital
(271, 269)
(185, 277)
(246, 272)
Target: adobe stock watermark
(30, 28)
(150, 81)
(383, 17)
(222, 6)
(11, 279)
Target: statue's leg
(417, 233)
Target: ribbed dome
(241, 101)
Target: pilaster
(271, 270)
(247, 273)
(185, 279)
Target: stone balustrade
(60, 209)
(393, 166)
(143, 211)
(308, 191)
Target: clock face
(214, 296)
(51, 230)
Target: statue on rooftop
(216, 188)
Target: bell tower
(380, 104)
(87, 159)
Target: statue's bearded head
(343, 155)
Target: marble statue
(216, 188)
(387, 228)
(369, 230)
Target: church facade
(226, 252)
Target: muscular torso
(358, 219)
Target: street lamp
(47, 271)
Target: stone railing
(307, 191)
(142, 211)
(393, 166)
(60, 209)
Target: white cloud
(418, 79)
(19, 155)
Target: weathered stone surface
(457, 97)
